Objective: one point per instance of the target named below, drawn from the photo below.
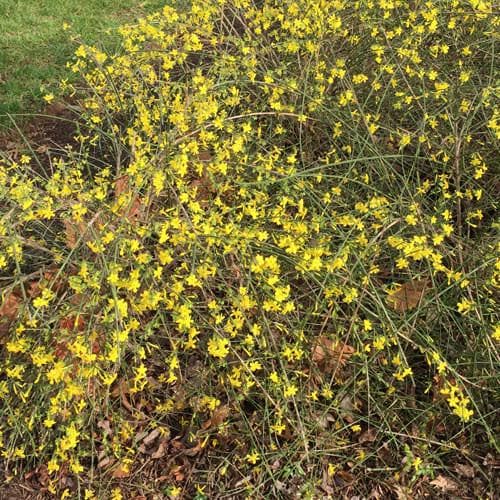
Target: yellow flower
(496, 333)
(44, 299)
(464, 306)
(116, 494)
(56, 374)
(218, 347)
(52, 466)
(70, 440)
(290, 390)
(253, 458)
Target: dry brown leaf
(161, 450)
(218, 416)
(465, 470)
(72, 323)
(368, 436)
(121, 471)
(204, 156)
(177, 473)
(104, 462)
(34, 289)
(61, 350)
(151, 437)
(105, 425)
(408, 295)
(120, 387)
(73, 232)
(10, 307)
(134, 210)
(345, 476)
(329, 355)
(444, 483)
(191, 452)
(121, 185)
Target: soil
(47, 134)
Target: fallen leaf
(346, 408)
(191, 452)
(330, 355)
(96, 347)
(465, 470)
(177, 473)
(73, 232)
(345, 476)
(204, 156)
(104, 462)
(61, 349)
(34, 289)
(105, 425)
(135, 211)
(121, 471)
(444, 483)
(72, 323)
(218, 416)
(121, 185)
(368, 436)
(408, 295)
(10, 306)
(161, 450)
(151, 436)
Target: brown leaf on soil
(121, 185)
(34, 289)
(61, 350)
(120, 387)
(73, 232)
(161, 450)
(345, 476)
(465, 470)
(56, 280)
(151, 437)
(408, 295)
(120, 472)
(135, 211)
(218, 416)
(444, 483)
(72, 323)
(104, 462)
(204, 156)
(105, 425)
(368, 436)
(191, 452)
(330, 355)
(177, 474)
(10, 307)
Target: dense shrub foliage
(272, 256)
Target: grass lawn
(34, 44)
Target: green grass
(34, 46)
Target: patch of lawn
(34, 44)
